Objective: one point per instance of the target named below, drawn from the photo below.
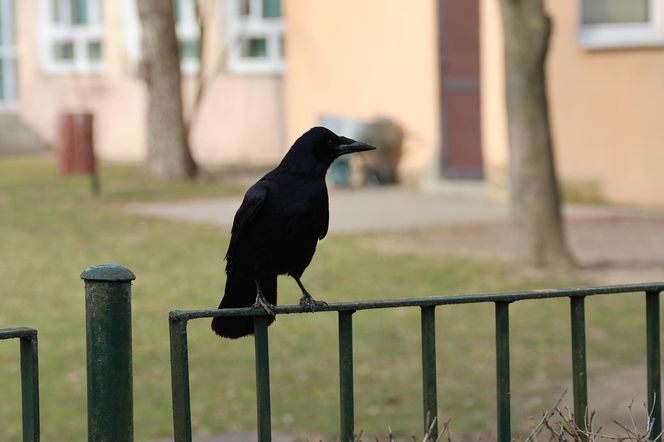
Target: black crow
(277, 227)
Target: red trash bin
(76, 147)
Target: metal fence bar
(654, 363)
(503, 371)
(180, 380)
(429, 388)
(347, 411)
(579, 373)
(109, 355)
(30, 388)
(29, 379)
(17, 332)
(262, 378)
(428, 301)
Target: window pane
(79, 12)
(614, 11)
(2, 79)
(63, 50)
(189, 49)
(282, 48)
(55, 16)
(2, 33)
(271, 8)
(7, 33)
(254, 47)
(176, 10)
(59, 10)
(184, 10)
(244, 7)
(94, 50)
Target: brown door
(460, 88)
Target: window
(619, 23)
(186, 29)
(188, 34)
(71, 36)
(255, 36)
(7, 56)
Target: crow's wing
(251, 205)
(324, 214)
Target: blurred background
(130, 129)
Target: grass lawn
(51, 229)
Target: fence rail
(180, 361)
(29, 379)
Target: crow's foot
(261, 302)
(307, 301)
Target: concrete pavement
(366, 210)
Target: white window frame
(255, 25)
(80, 35)
(623, 35)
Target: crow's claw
(261, 302)
(307, 301)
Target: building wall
(606, 108)
(241, 119)
(365, 59)
(371, 58)
(492, 97)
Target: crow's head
(328, 146)
(317, 148)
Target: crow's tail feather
(241, 292)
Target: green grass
(51, 229)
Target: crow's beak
(352, 146)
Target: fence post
(30, 387)
(503, 371)
(108, 342)
(263, 413)
(654, 364)
(429, 381)
(29, 379)
(346, 399)
(180, 380)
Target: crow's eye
(329, 141)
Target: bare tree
(168, 153)
(539, 233)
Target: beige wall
(241, 119)
(606, 109)
(361, 59)
(492, 96)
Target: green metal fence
(29, 379)
(178, 321)
(109, 356)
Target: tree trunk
(168, 154)
(539, 234)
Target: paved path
(365, 210)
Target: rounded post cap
(108, 272)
